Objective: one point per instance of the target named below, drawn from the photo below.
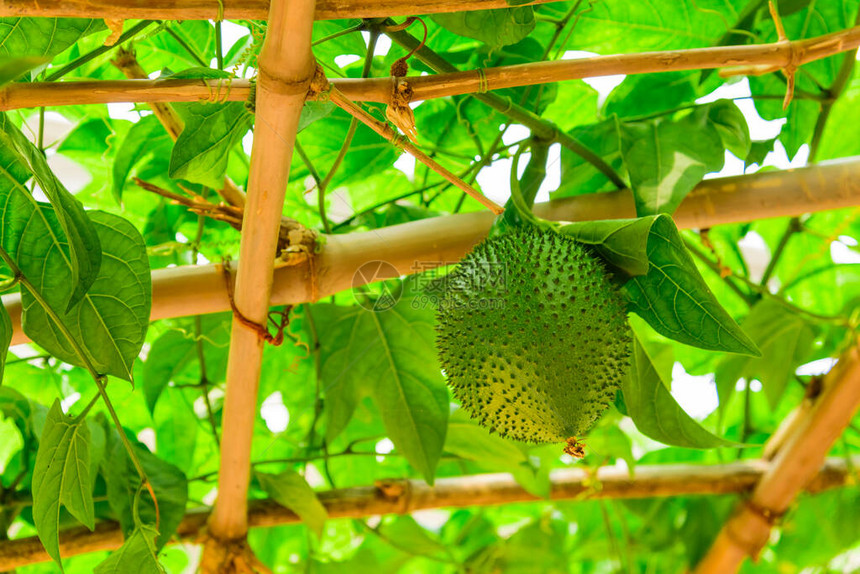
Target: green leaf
(138, 555)
(110, 323)
(82, 248)
(391, 357)
(759, 150)
(785, 339)
(655, 412)
(291, 490)
(731, 124)
(493, 27)
(665, 163)
(44, 37)
(313, 111)
(579, 176)
(5, 337)
(468, 440)
(819, 528)
(15, 406)
(174, 351)
(610, 441)
(800, 116)
(61, 476)
(677, 302)
(169, 354)
(616, 26)
(12, 68)
(146, 137)
(404, 533)
(369, 155)
(621, 242)
(635, 95)
(123, 484)
(203, 148)
(176, 430)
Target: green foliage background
(363, 391)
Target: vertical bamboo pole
(285, 69)
(794, 465)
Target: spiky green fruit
(533, 336)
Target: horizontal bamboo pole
(200, 289)
(234, 9)
(794, 465)
(765, 56)
(406, 496)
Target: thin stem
(846, 70)
(343, 32)
(79, 351)
(793, 227)
(77, 63)
(746, 425)
(383, 203)
(40, 141)
(610, 533)
(388, 133)
(191, 51)
(322, 186)
(763, 292)
(748, 298)
(198, 333)
(318, 404)
(540, 127)
(219, 49)
(318, 181)
(27, 359)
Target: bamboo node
(398, 111)
(320, 87)
(771, 517)
(396, 490)
(483, 82)
(790, 69)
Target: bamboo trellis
(285, 69)
(200, 289)
(406, 496)
(236, 9)
(731, 59)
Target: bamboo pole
(200, 289)
(405, 496)
(235, 9)
(286, 67)
(748, 57)
(793, 466)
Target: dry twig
(127, 63)
(388, 133)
